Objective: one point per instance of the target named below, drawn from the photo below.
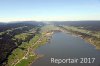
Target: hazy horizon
(48, 21)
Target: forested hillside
(90, 25)
(14, 34)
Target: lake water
(64, 46)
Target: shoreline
(32, 56)
(87, 39)
(48, 37)
(38, 57)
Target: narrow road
(41, 37)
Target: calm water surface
(64, 46)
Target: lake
(64, 46)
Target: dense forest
(14, 34)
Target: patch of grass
(26, 62)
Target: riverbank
(23, 52)
(32, 58)
(84, 34)
(65, 46)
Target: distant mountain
(2, 24)
(91, 25)
(6, 26)
(35, 23)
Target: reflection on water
(66, 46)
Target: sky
(49, 10)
